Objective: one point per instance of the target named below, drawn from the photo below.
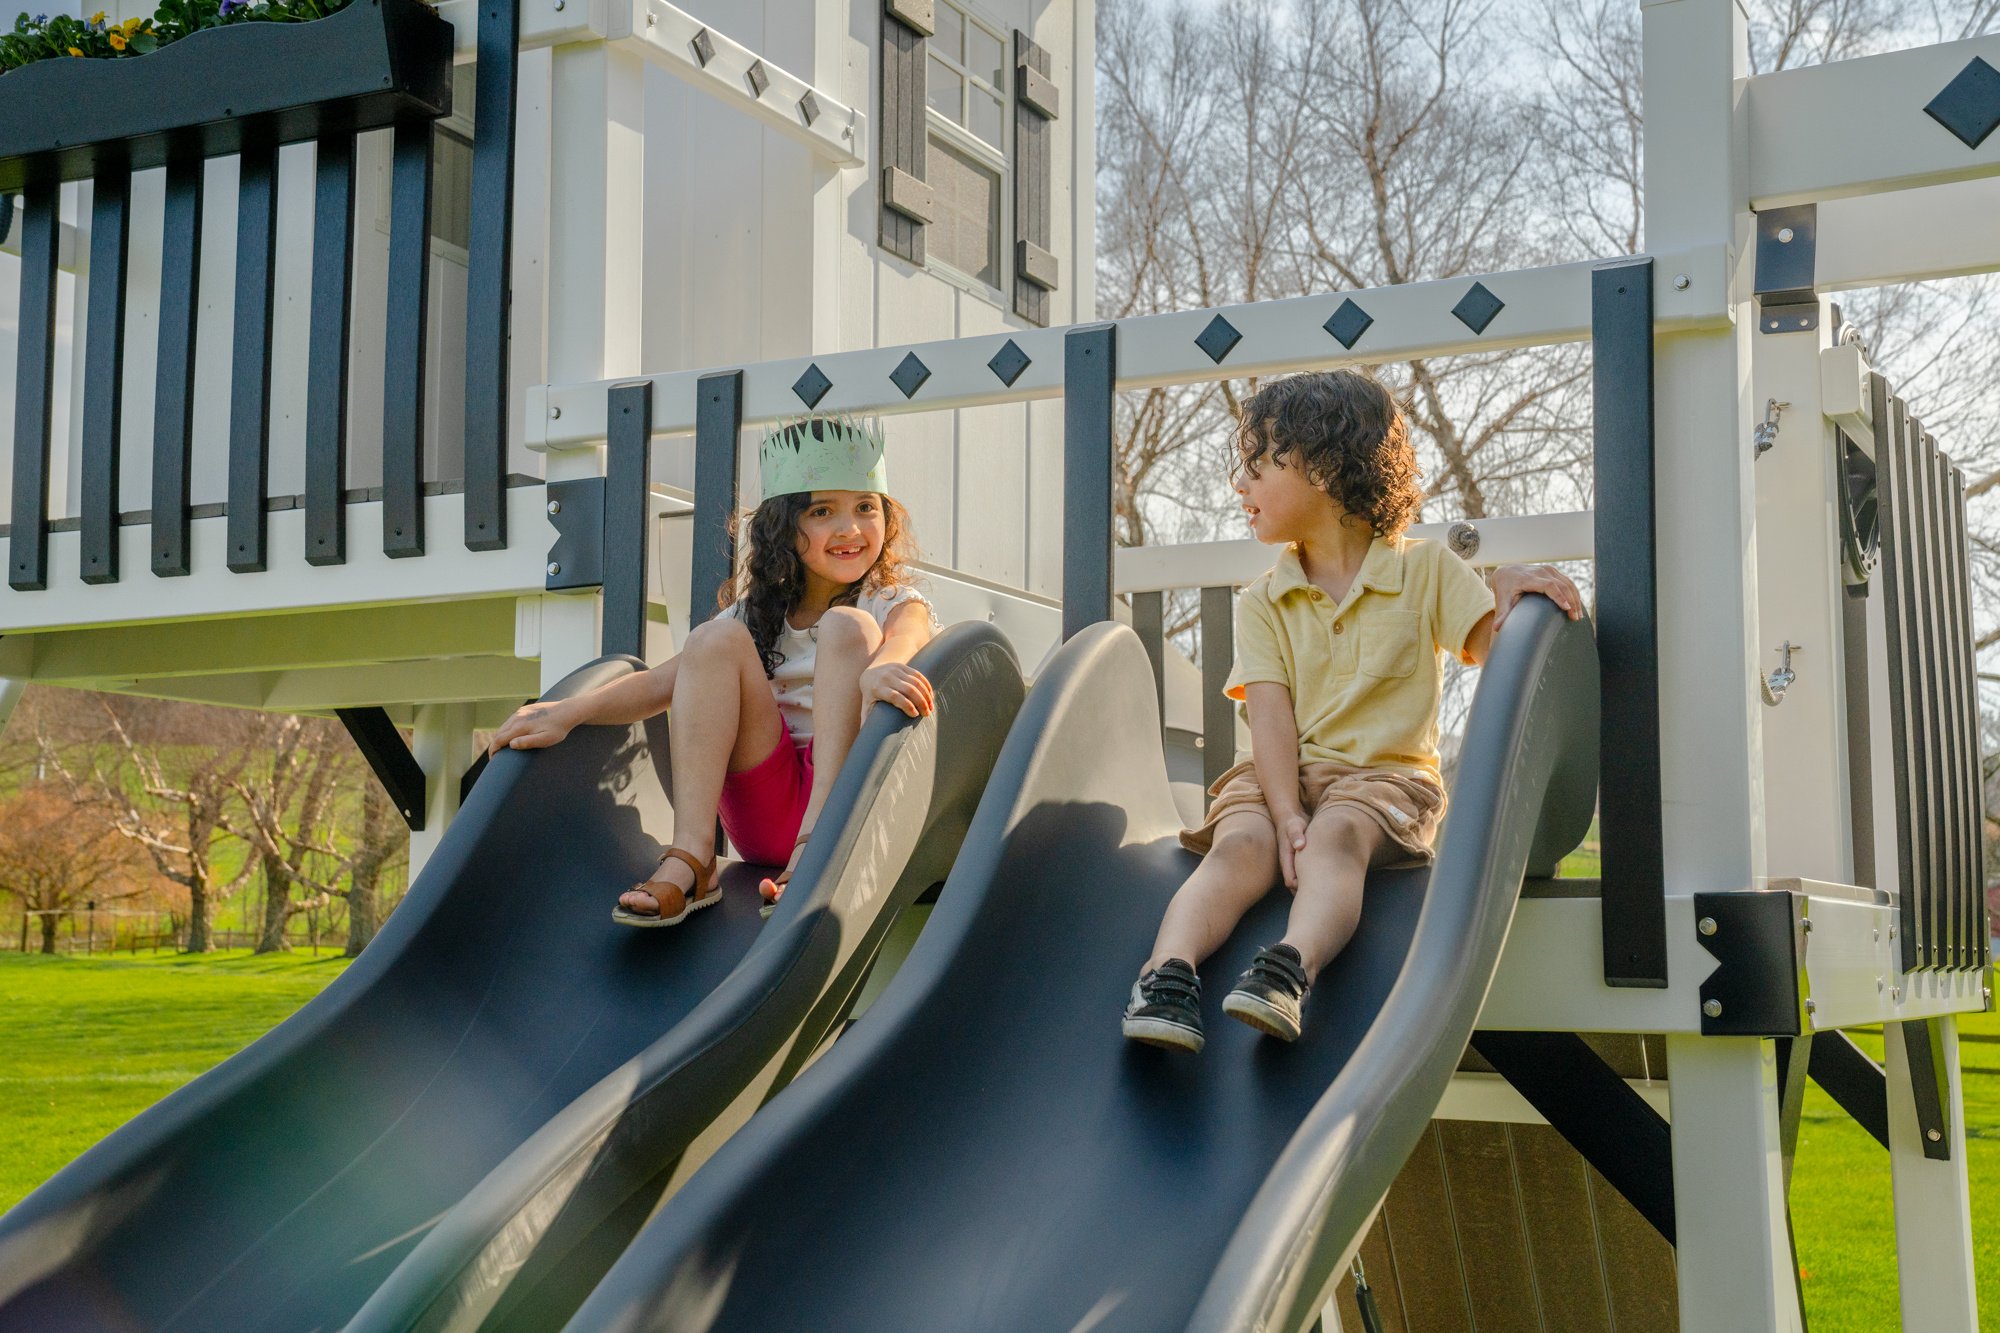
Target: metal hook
(1777, 682)
(1766, 432)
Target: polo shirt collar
(1381, 571)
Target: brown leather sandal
(673, 903)
(783, 878)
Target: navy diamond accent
(1008, 363)
(1477, 308)
(1218, 339)
(757, 78)
(1969, 106)
(1348, 324)
(812, 386)
(703, 47)
(808, 108)
(910, 375)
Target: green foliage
(60, 36)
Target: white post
(596, 274)
(443, 746)
(1733, 1245)
(1933, 1198)
(11, 691)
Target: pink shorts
(763, 806)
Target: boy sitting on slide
(1340, 659)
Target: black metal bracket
(1597, 1112)
(576, 512)
(381, 744)
(1930, 1084)
(1786, 242)
(1855, 1082)
(1759, 939)
(470, 776)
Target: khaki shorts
(1408, 806)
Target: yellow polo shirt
(1365, 673)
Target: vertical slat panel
(1493, 1243)
(409, 309)
(1923, 535)
(489, 275)
(904, 141)
(326, 361)
(718, 431)
(250, 374)
(104, 370)
(1975, 832)
(34, 388)
(628, 481)
(1562, 1237)
(1860, 744)
(1897, 588)
(1032, 135)
(173, 377)
(1218, 655)
(1149, 620)
(1090, 376)
(1430, 1273)
(1951, 738)
(1634, 872)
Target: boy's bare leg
(848, 638)
(724, 720)
(1238, 871)
(1341, 844)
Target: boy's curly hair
(1347, 433)
(773, 574)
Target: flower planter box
(368, 65)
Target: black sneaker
(1165, 1008)
(1269, 996)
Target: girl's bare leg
(1238, 871)
(1341, 844)
(848, 638)
(723, 720)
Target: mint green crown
(822, 453)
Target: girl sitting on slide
(767, 697)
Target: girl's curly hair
(1349, 435)
(773, 574)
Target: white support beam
(1939, 231)
(1489, 1097)
(1541, 306)
(321, 690)
(369, 578)
(442, 742)
(1859, 127)
(1531, 539)
(544, 23)
(1934, 1263)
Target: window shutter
(1035, 109)
(906, 203)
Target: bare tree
(283, 797)
(55, 857)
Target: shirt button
(1339, 627)
(1317, 594)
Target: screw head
(1706, 925)
(1896, 994)
(555, 413)
(1812, 1007)
(1784, 233)
(1880, 985)
(1713, 1008)
(1932, 1135)
(561, 5)
(1808, 925)
(555, 506)
(555, 568)
(1682, 282)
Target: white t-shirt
(792, 682)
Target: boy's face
(1281, 504)
(841, 533)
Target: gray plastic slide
(282, 1188)
(983, 1150)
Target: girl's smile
(840, 535)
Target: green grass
(90, 1043)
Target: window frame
(1000, 160)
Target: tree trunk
(364, 902)
(277, 906)
(198, 940)
(48, 932)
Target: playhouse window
(966, 91)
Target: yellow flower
(117, 40)
(130, 26)
(97, 18)
(73, 51)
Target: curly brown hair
(1349, 435)
(773, 573)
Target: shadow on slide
(280, 1189)
(984, 1151)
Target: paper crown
(822, 453)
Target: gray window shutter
(1036, 106)
(905, 196)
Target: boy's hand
(900, 685)
(1291, 841)
(1513, 582)
(532, 727)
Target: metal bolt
(1706, 925)
(1932, 1135)
(1808, 924)
(1200, 742)
(1811, 1006)
(561, 5)
(555, 506)
(555, 414)
(1877, 934)
(1713, 1008)
(1892, 932)
(555, 568)
(1880, 985)
(1896, 994)
(1784, 233)
(1682, 282)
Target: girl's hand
(898, 684)
(1513, 582)
(1291, 841)
(532, 727)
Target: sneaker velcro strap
(1274, 966)
(1161, 982)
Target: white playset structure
(1792, 809)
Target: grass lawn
(92, 1042)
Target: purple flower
(41, 18)
(229, 7)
